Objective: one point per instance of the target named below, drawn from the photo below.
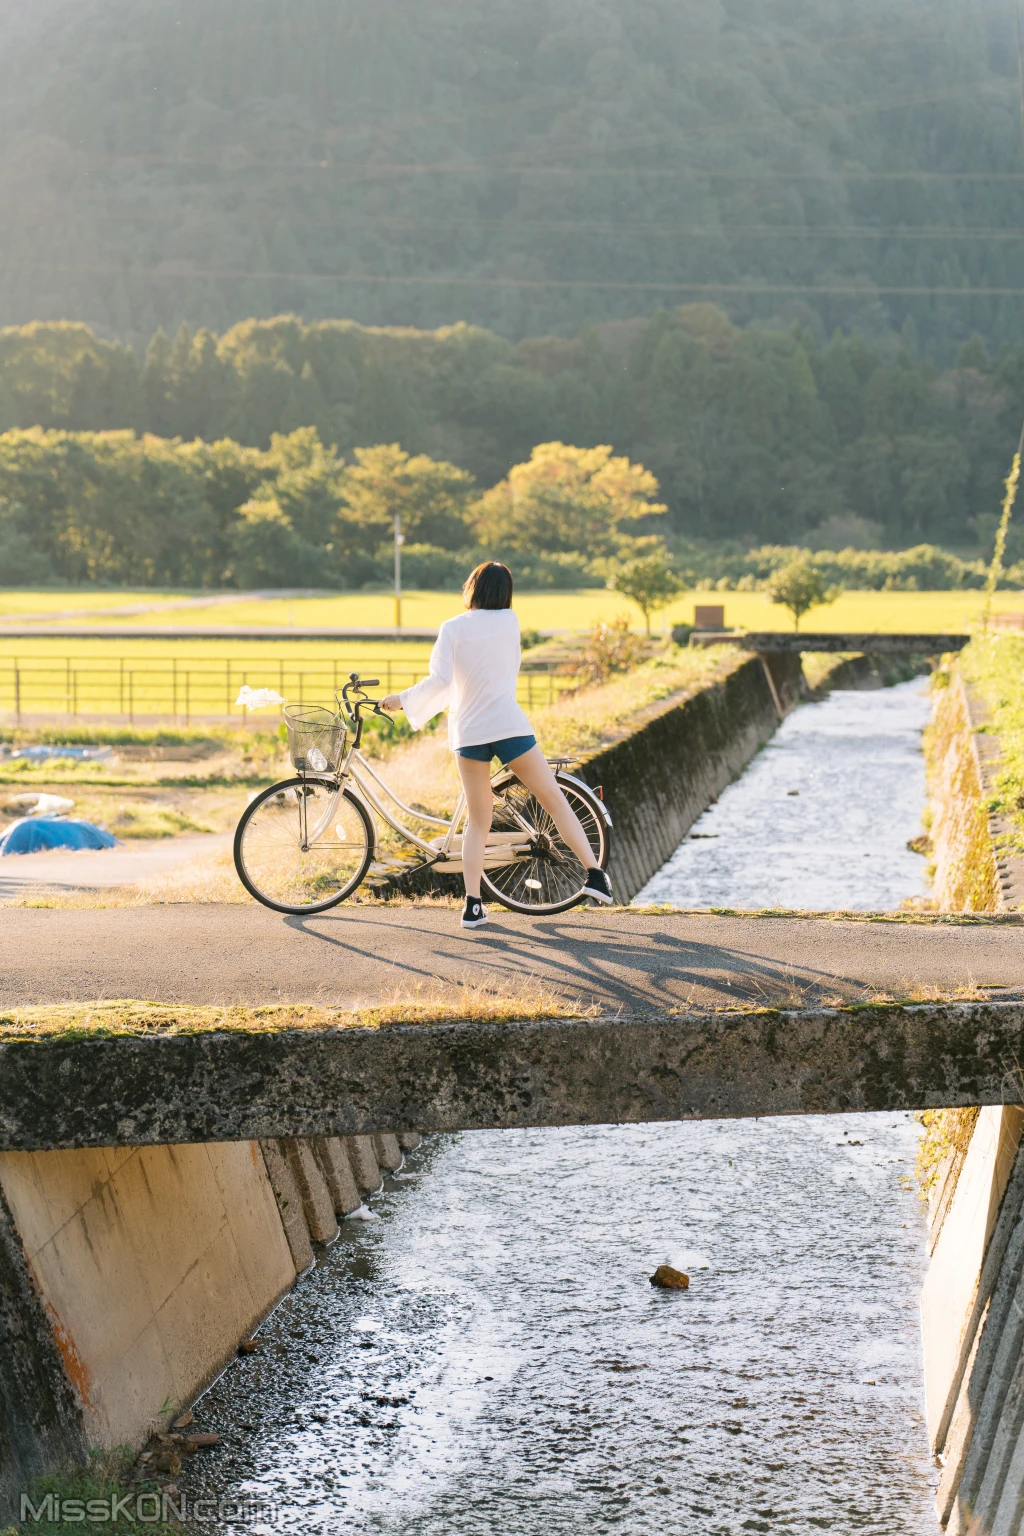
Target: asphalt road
(621, 959)
(63, 870)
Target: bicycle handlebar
(355, 707)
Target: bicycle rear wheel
(544, 875)
(303, 845)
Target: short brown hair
(489, 586)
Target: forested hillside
(533, 166)
(756, 435)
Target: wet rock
(167, 1461)
(199, 1442)
(249, 1347)
(669, 1279)
(183, 1420)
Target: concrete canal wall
(130, 1275)
(678, 756)
(972, 1307)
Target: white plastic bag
(257, 698)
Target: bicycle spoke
(551, 878)
(281, 869)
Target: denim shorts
(508, 749)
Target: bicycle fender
(590, 791)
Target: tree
(431, 497)
(650, 582)
(799, 586)
(568, 499)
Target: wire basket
(316, 738)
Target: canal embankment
(130, 1274)
(970, 1311)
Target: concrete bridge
(161, 1189)
(790, 642)
(684, 1016)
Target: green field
(183, 680)
(169, 678)
(545, 611)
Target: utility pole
(399, 541)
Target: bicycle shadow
(591, 962)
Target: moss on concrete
(128, 1017)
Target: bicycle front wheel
(542, 874)
(303, 845)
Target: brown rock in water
(195, 1442)
(183, 1420)
(669, 1279)
(249, 1347)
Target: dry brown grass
(423, 771)
(130, 1017)
(965, 877)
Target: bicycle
(305, 844)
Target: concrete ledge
(772, 642)
(125, 1091)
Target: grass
(993, 664)
(963, 873)
(134, 1019)
(423, 770)
(146, 678)
(176, 680)
(108, 1478)
(148, 820)
(946, 1139)
(575, 610)
(597, 715)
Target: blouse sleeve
(432, 693)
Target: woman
(473, 671)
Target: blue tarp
(34, 833)
(43, 754)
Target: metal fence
(197, 688)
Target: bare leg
(476, 781)
(534, 770)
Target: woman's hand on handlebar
(392, 703)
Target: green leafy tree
(431, 496)
(568, 499)
(650, 582)
(800, 586)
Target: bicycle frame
(501, 847)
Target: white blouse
(473, 670)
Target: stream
(488, 1356)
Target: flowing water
(488, 1357)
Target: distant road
(164, 605)
(619, 959)
(26, 873)
(209, 632)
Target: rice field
(145, 681)
(548, 612)
(171, 677)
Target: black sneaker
(474, 914)
(598, 887)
